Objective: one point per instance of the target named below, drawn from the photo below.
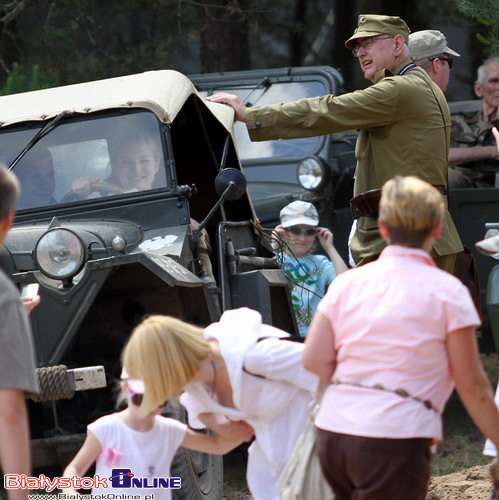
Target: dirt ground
(473, 483)
(469, 484)
(459, 470)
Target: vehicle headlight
(311, 173)
(60, 253)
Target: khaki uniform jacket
(402, 132)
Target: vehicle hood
(16, 254)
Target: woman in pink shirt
(394, 336)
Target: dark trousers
(361, 468)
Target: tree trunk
(342, 59)
(224, 36)
(298, 33)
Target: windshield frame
(268, 151)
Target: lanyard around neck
(407, 67)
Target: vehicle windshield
(275, 93)
(86, 158)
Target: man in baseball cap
(370, 25)
(403, 121)
(429, 50)
(372, 41)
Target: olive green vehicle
(321, 169)
(135, 240)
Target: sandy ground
(470, 484)
(473, 483)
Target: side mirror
(230, 184)
(230, 177)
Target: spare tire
(201, 474)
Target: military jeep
(135, 240)
(321, 169)
(315, 169)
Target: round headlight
(311, 173)
(60, 253)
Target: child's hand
(227, 429)
(278, 231)
(82, 187)
(238, 430)
(325, 237)
(276, 236)
(30, 302)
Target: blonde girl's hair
(410, 209)
(165, 353)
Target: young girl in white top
(236, 371)
(144, 444)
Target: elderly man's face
(489, 90)
(374, 54)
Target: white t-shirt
(147, 454)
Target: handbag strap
(315, 404)
(290, 338)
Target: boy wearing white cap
(309, 275)
(430, 51)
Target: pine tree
(486, 12)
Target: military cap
(374, 24)
(428, 43)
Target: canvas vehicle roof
(163, 92)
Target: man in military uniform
(430, 51)
(404, 124)
(473, 157)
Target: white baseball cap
(299, 212)
(429, 43)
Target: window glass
(275, 93)
(94, 157)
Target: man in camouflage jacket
(473, 156)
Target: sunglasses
(449, 60)
(137, 398)
(298, 230)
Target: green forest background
(45, 43)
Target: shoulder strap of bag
(291, 338)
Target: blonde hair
(165, 353)
(410, 208)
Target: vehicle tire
(201, 474)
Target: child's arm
(82, 461)
(325, 237)
(235, 430)
(206, 443)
